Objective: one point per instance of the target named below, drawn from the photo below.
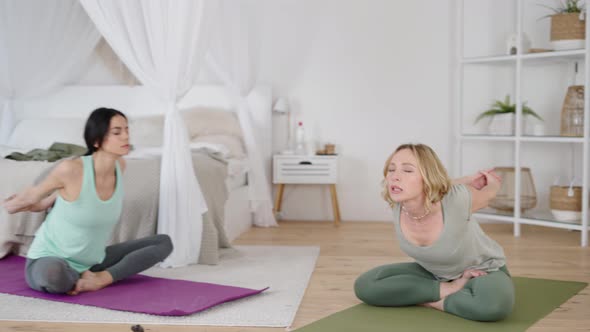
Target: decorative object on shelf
(504, 200)
(282, 106)
(572, 112)
(566, 202)
(512, 44)
(329, 149)
(568, 25)
(502, 116)
(539, 50)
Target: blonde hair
(436, 180)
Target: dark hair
(97, 127)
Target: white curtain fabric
(233, 57)
(43, 44)
(163, 43)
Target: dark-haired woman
(69, 252)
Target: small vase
(501, 124)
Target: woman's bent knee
(52, 276)
(166, 244)
(365, 290)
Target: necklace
(415, 218)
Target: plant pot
(567, 31)
(501, 124)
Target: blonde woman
(458, 268)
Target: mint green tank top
(461, 245)
(78, 231)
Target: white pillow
(147, 131)
(201, 122)
(42, 132)
(203, 125)
(233, 144)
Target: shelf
(559, 56)
(500, 59)
(491, 214)
(540, 139)
(554, 224)
(553, 56)
(533, 217)
(552, 139)
(486, 72)
(501, 138)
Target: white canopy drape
(163, 43)
(40, 50)
(233, 58)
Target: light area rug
(285, 269)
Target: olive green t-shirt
(461, 245)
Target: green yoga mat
(535, 298)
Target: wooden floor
(355, 247)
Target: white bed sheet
(237, 173)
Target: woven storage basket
(559, 200)
(567, 26)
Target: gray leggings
(54, 275)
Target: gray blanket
(140, 205)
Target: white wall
(366, 75)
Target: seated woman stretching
(68, 254)
(458, 268)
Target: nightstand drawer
(305, 169)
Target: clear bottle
(300, 139)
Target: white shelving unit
(513, 66)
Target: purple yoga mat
(143, 294)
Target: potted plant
(502, 116)
(568, 25)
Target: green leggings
(485, 298)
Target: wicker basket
(559, 200)
(567, 26)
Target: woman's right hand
(17, 203)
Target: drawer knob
(305, 163)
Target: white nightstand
(298, 169)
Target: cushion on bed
(204, 126)
(201, 122)
(234, 145)
(147, 131)
(218, 127)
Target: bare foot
(92, 281)
(448, 288)
(438, 305)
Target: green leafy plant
(567, 6)
(503, 107)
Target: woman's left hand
(479, 180)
